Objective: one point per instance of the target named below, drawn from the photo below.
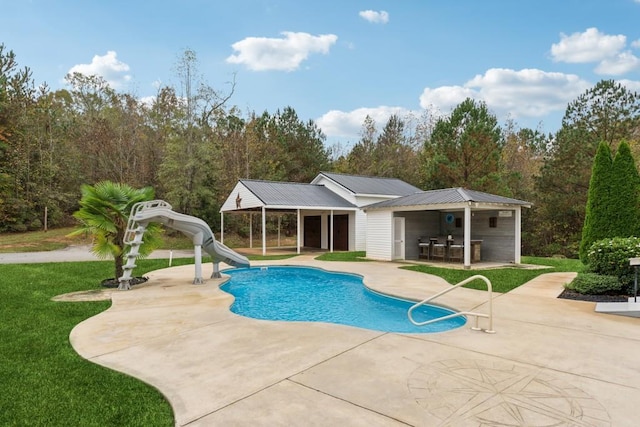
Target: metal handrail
(461, 313)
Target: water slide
(195, 228)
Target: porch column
(467, 237)
(264, 232)
(251, 230)
(518, 235)
(298, 225)
(279, 221)
(222, 228)
(331, 231)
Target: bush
(595, 284)
(610, 257)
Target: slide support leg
(198, 261)
(216, 271)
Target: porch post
(222, 227)
(279, 220)
(518, 235)
(467, 237)
(298, 231)
(331, 231)
(251, 230)
(264, 232)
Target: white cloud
(285, 54)
(523, 93)
(636, 43)
(108, 67)
(594, 46)
(375, 17)
(337, 123)
(446, 97)
(621, 64)
(589, 46)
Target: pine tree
(599, 201)
(625, 208)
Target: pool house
(386, 217)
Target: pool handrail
(489, 330)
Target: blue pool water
(315, 295)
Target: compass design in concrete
(483, 393)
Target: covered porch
(323, 219)
(451, 225)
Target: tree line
(192, 145)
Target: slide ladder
(133, 238)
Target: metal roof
(359, 184)
(289, 194)
(448, 196)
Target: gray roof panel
(447, 196)
(290, 194)
(358, 184)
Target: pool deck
(551, 362)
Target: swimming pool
(314, 295)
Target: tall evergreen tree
(599, 201)
(464, 150)
(625, 211)
(608, 112)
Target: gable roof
(359, 184)
(448, 196)
(292, 195)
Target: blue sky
(335, 61)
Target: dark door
(341, 232)
(312, 227)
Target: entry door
(340, 232)
(312, 233)
(398, 238)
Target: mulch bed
(568, 294)
(113, 283)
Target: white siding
(379, 244)
(249, 200)
(368, 200)
(360, 228)
(352, 231)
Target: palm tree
(104, 213)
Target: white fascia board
(314, 208)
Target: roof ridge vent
(464, 194)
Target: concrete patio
(551, 362)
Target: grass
(503, 279)
(34, 241)
(357, 256)
(44, 381)
(41, 241)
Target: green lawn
(44, 381)
(503, 279)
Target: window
(458, 222)
(493, 221)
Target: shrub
(611, 257)
(595, 284)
